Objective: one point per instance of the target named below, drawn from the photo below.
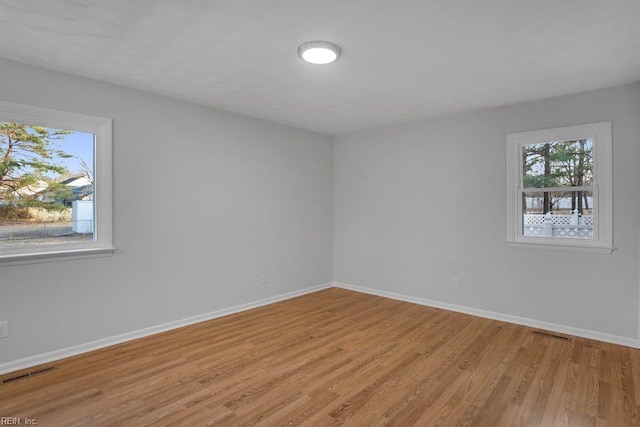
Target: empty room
(362, 213)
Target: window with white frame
(55, 183)
(559, 188)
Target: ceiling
(402, 60)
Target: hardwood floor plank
(338, 357)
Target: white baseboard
(52, 356)
(569, 330)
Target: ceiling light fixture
(319, 52)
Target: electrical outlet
(264, 279)
(455, 283)
(4, 329)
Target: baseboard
(569, 330)
(52, 356)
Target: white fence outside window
(548, 225)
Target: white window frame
(103, 213)
(602, 241)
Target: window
(559, 188)
(55, 183)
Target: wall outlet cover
(4, 329)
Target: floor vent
(28, 375)
(550, 335)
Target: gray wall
(204, 202)
(417, 204)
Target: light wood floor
(339, 357)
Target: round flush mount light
(319, 52)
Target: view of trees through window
(558, 186)
(46, 185)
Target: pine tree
(28, 156)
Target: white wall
(204, 202)
(417, 204)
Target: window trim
(101, 127)
(602, 241)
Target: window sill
(564, 248)
(54, 255)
